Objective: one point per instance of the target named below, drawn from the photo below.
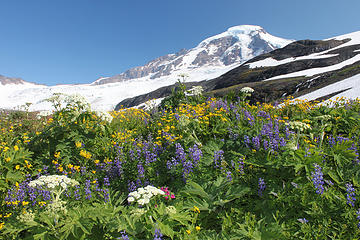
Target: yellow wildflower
(17, 167)
(78, 144)
(57, 154)
(196, 209)
(197, 228)
(85, 154)
(188, 232)
(16, 148)
(7, 159)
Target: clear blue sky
(76, 41)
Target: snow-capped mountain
(10, 80)
(209, 59)
(311, 69)
(237, 45)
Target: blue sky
(78, 41)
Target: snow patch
(352, 84)
(313, 71)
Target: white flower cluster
(151, 104)
(324, 117)
(78, 101)
(26, 216)
(43, 114)
(299, 125)
(142, 195)
(104, 116)
(53, 181)
(247, 90)
(194, 91)
(56, 207)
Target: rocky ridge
(238, 44)
(297, 69)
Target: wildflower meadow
(194, 167)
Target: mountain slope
(209, 59)
(296, 69)
(238, 44)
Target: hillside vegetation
(192, 168)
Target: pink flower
(172, 196)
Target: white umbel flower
(104, 116)
(194, 91)
(53, 181)
(247, 90)
(143, 195)
(300, 126)
(43, 114)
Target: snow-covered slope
(209, 59)
(101, 97)
(348, 88)
(352, 40)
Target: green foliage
(228, 170)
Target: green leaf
(193, 188)
(165, 229)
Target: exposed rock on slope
(296, 69)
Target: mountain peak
(244, 29)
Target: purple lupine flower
(303, 220)
(157, 234)
(67, 193)
(106, 181)
(262, 186)
(87, 189)
(248, 117)
(229, 176)
(218, 158)
(331, 141)
(141, 170)
(241, 166)
(195, 154)
(350, 196)
(266, 145)
(317, 178)
(106, 194)
(187, 168)
(76, 192)
(256, 142)
(263, 114)
(124, 236)
(282, 142)
(180, 153)
(287, 132)
(246, 140)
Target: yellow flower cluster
(129, 114)
(123, 136)
(85, 154)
